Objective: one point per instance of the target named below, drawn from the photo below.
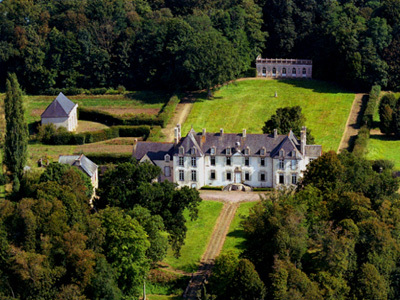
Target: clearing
(384, 147)
(249, 103)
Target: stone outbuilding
(283, 68)
(62, 112)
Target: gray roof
(60, 107)
(313, 150)
(79, 161)
(155, 151)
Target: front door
(238, 177)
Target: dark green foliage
(16, 137)
(386, 117)
(286, 119)
(109, 158)
(168, 111)
(361, 142)
(373, 99)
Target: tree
(16, 139)
(286, 119)
(370, 284)
(223, 273)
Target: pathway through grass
(249, 103)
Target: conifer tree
(16, 138)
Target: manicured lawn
(197, 237)
(84, 126)
(382, 147)
(235, 238)
(248, 104)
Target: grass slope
(249, 103)
(235, 237)
(382, 147)
(197, 237)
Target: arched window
(294, 71)
(304, 71)
(284, 71)
(273, 71)
(264, 71)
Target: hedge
(361, 142)
(98, 116)
(77, 91)
(168, 111)
(70, 138)
(109, 158)
(212, 188)
(250, 72)
(371, 105)
(263, 189)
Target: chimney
(204, 132)
(221, 131)
(244, 133)
(303, 139)
(176, 135)
(179, 131)
(275, 133)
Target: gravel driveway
(232, 196)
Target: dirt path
(213, 249)
(181, 113)
(353, 122)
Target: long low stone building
(221, 159)
(283, 68)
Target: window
(281, 164)
(281, 178)
(228, 176)
(294, 71)
(193, 151)
(181, 150)
(262, 152)
(193, 160)
(294, 164)
(281, 153)
(212, 151)
(294, 178)
(264, 70)
(262, 161)
(284, 71)
(212, 174)
(304, 71)
(228, 151)
(273, 71)
(212, 159)
(246, 151)
(247, 176)
(181, 175)
(167, 158)
(194, 175)
(181, 161)
(167, 171)
(262, 176)
(246, 161)
(228, 161)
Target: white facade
(218, 159)
(70, 122)
(283, 68)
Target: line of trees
(194, 44)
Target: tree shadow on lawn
(317, 86)
(238, 233)
(149, 97)
(384, 137)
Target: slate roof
(60, 107)
(155, 151)
(79, 161)
(313, 150)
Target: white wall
(58, 122)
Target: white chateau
(283, 67)
(221, 159)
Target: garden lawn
(162, 297)
(382, 147)
(249, 103)
(197, 237)
(130, 103)
(235, 237)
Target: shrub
(168, 110)
(371, 105)
(46, 133)
(121, 89)
(212, 188)
(98, 91)
(251, 72)
(109, 158)
(361, 142)
(263, 189)
(136, 131)
(155, 134)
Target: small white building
(84, 164)
(283, 68)
(220, 159)
(62, 112)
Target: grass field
(197, 237)
(248, 104)
(235, 237)
(162, 297)
(382, 147)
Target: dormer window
(228, 151)
(181, 150)
(193, 151)
(281, 153)
(262, 151)
(246, 151)
(212, 151)
(167, 158)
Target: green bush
(66, 91)
(371, 105)
(168, 111)
(155, 134)
(98, 91)
(212, 188)
(251, 72)
(108, 158)
(136, 131)
(263, 189)
(361, 142)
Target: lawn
(197, 237)
(248, 104)
(162, 297)
(148, 102)
(235, 237)
(382, 147)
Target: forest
(172, 44)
